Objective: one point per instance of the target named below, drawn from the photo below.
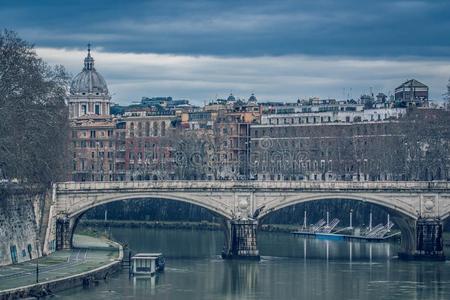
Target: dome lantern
(89, 61)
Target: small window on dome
(97, 93)
(84, 93)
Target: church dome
(89, 81)
(252, 98)
(231, 98)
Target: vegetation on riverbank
(93, 227)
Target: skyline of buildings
(162, 138)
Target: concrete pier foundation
(240, 240)
(64, 233)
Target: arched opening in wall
(155, 129)
(291, 218)
(147, 129)
(175, 228)
(163, 128)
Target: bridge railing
(284, 185)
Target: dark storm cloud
(386, 28)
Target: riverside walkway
(89, 253)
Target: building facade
(411, 93)
(372, 138)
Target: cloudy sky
(280, 50)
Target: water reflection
(310, 248)
(240, 277)
(146, 284)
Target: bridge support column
(240, 240)
(429, 244)
(64, 231)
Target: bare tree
(34, 125)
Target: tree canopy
(33, 114)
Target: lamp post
(37, 260)
(351, 219)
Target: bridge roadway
(236, 200)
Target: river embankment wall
(23, 220)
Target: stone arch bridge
(418, 207)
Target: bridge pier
(64, 233)
(240, 241)
(429, 243)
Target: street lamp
(351, 219)
(37, 260)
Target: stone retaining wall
(21, 213)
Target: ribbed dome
(231, 98)
(252, 98)
(89, 81)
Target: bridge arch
(67, 223)
(216, 208)
(402, 214)
(405, 209)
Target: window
(92, 134)
(97, 109)
(155, 129)
(147, 129)
(139, 129)
(163, 128)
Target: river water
(291, 267)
